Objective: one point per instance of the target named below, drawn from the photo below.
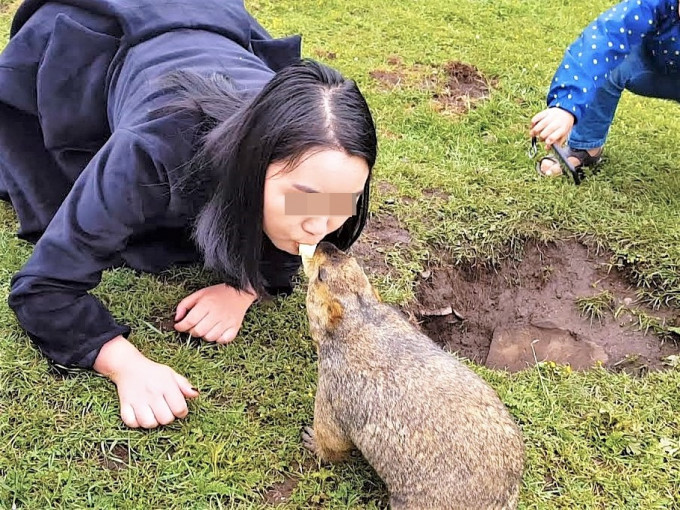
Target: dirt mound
(454, 86)
(388, 78)
(464, 84)
(559, 303)
(328, 55)
(381, 235)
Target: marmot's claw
(309, 439)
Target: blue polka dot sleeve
(600, 48)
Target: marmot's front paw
(309, 440)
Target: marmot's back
(415, 403)
(433, 430)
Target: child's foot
(548, 166)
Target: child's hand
(552, 125)
(150, 394)
(214, 313)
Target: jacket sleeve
(120, 190)
(599, 49)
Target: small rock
(440, 312)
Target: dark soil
(117, 458)
(460, 307)
(6, 5)
(388, 78)
(329, 55)
(455, 86)
(381, 235)
(435, 193)
(280, 492)
(464, 85)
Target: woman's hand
(552, 125)
(150, 394)
(214, 313)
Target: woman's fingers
(151, 394)
(187, 304)
(176, 403)
(163, 409)
(127, 414)
(200, 323)
(194, 317)
(227, 336)
(162, 412)
(216, 314)
(145, 415)
(204, 326)
(215, 332)
(185, 387)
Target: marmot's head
(338, 287)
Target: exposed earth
(454, 87)
(559, 303)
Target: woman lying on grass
(150, 133)
(635, 46)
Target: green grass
(595, 307)
(595, 440)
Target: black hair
(306, 106)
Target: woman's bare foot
(550, 167)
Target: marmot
(433, 430)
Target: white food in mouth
(307, 250)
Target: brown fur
(434, 431)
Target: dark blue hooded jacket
(86, 167)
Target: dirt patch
(454, 86)
(280, 492)
(5, 6)
(389, 135)
(464, 85)
(547, 294)
(388, 79)
(435, 193)
(166, 325)
(386, 188)
(381, 235)
(116, 458)
(328, 55)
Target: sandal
(585, 160)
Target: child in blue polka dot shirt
(635, 46)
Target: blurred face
(292, 216)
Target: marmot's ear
(335, 312)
